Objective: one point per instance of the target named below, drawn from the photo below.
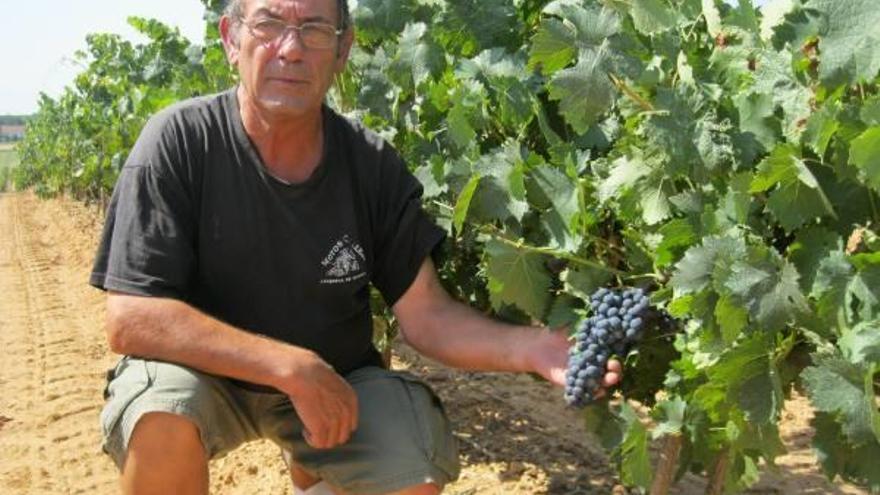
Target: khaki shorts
(403, 438)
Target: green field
(8, 156)
(8, 160)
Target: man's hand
(548, 355)
(326, 404)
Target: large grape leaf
(848, 42)
(840, 387)
(584, 91)
(559, 39)
(695, 270)
(501, 194)
(798, 198)
(517, 277)
(773, 76)
(487, 23)
(769, 289)
(749, 378)
(861, 344)
(378, 19)
(416, 54)
(838, 457)
(865, 154)
(832, 279)
(652, 16)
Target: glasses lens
(317, 35)
(268, 30)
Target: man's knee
(160, 437)
(424, 489)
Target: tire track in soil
(48, 383)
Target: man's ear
(343, 49)
(229, 33)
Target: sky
(38, 40)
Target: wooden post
(666, 465)
(719, 474)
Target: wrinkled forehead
(293, 10)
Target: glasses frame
(298, 29)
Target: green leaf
(517, 277)
(635, 466)
(678, 234)
(832, 279)
(837, 386)
(861, 344)
(695, 270)
(462, 205)
(416, 54)
(583, 281)
(652, 16)
(713, 17)
(769, 290)
(625, 173)
(857, 464)
(810, 247)
(870, 112)
(799, 198)
(671, 417)
(865, 154)
(564, 311)
(821, 127)
(584, 91)
(553, 46)
(756, 117)
(848, 40)
(731, 317)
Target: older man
(242, 238)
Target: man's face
(283, 76)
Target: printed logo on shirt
(344, 263)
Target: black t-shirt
(195, 216)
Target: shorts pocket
(438, 440)
(129, 379)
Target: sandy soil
(516, 436)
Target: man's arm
(444, 329)
(173, 331)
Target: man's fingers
(611, 379)
(615, 366)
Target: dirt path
(516, 437)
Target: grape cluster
(617, 323)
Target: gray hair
(235, 11)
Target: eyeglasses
(314, 35)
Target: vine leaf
(865, 154)
(652, 16)
(848, 40)
(584, 91)
(798, 197)
(844, 389)
(517, 277)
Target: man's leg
(165, 455)
(304, 481)
(403, 444)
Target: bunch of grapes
(616, 324)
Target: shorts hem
(116, 445)
(429, 474)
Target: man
(239, 245)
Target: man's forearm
(173, 331)
(460, 336)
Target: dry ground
(516, 436)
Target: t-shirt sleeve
(407, 234)
(147, 245)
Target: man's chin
(287, 106)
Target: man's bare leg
(165, 455)
(303, 480)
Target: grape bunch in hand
(616, 324)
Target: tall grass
(8, 162)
